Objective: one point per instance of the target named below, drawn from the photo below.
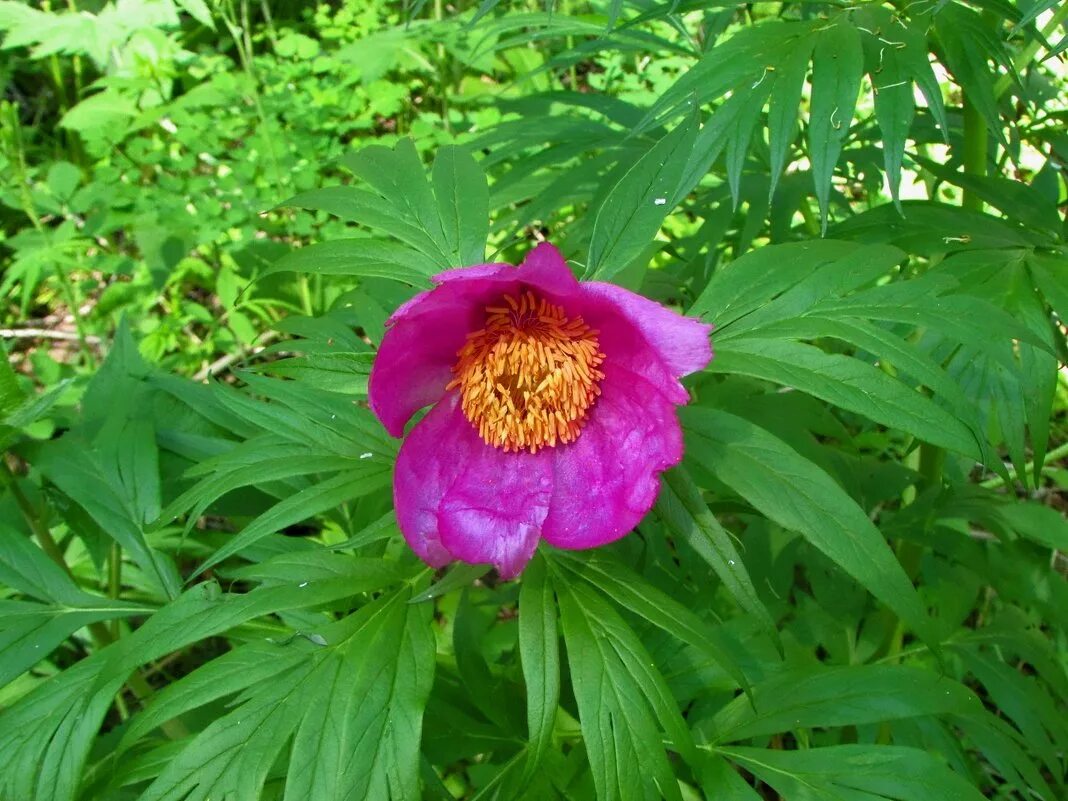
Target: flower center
(528, 379)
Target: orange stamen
(528, 379)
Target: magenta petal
(608, 479)
(413, 365)
(459, 498)
(681, 342)
(546, 269)
(415, 359)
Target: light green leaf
(109, 110)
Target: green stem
(932, 463)
(812, 223)
(929, 461)
(29, 514)
(1030, 50)
(572, 71)
(305, 296)
(1057, 453)
(115, 581)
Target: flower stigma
(528, 378)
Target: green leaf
(855, 772)
(848, 383)
(362, 258)
(109, 110)
(345, 486)
(615, 685)
(837, 66)
(367, 208)
(688, 517)
(789, 81)
(48, 733)
(734, 64)
(29, 631)
(463, 203)
(459, 576)
(25, 568)
(891, 79)
(539, 652)
(742, 294)
(929, 228)
(798, 495)
(722, 782)
(367, 687)
(631, 591)
(120, 494)
(398, 176)
(968, 43)
(198, 10)
(256, 461)
(10, 392)
(634, 208)
(822, 697)
(1017, 200)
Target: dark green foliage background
(852, 589)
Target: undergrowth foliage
(852, 588)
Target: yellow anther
(527, 379)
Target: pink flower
(553, 409)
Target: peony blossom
(553, 409)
